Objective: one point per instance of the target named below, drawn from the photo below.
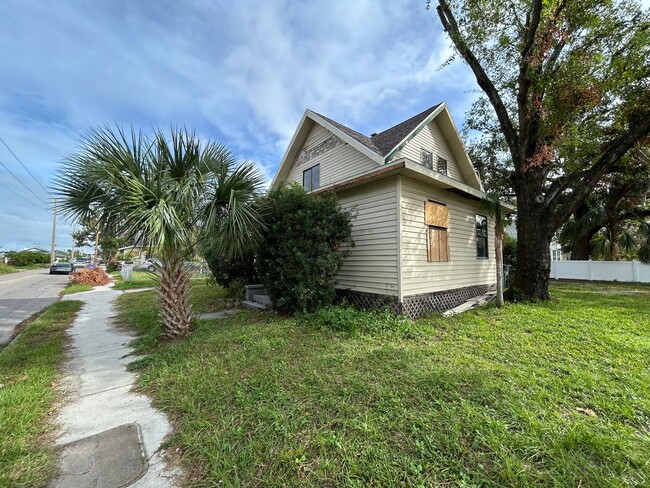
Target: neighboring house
(35, 249)
(422, 241)
(137, 254)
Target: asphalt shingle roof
(388, 139)
(384, 142)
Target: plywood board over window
(438, 245)
(436, 214)
(436, 217)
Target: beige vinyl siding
(463, 268)
(371, 265)
(431, 139)
(339, 163)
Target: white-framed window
(311, 178)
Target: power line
(21, 182)
(19, 195)
(21, 163)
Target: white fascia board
(283, 163)
(349, 139)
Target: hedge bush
(230, 272)
(303, 248)
(94, 276)
(25, 258)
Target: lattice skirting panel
(414, 305)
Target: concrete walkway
(110, 436)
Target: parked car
(151, 264)
(61, 268)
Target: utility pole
(53, 232)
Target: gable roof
(383, 146)
(389, 139)
(366, 141)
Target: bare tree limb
(451, 27)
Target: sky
(238, 72)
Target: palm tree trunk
(498, 254)
(96, 246)
(175, 289)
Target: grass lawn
(76, 288)
(29, 369)
(6, 269)
(139, 279)
(550, 394)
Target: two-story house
(422, 242)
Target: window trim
(311, 178)
(486, 237)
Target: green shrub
(229, 271)
(25, 258)
(302, 250)
(344, 318)
(111, 267)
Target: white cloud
(241, 72)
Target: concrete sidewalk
(110, 436)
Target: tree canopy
(566, 94)
(165, 193)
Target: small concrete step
(263, 299)
(254, 305)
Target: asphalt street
(25, 293)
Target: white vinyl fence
(630, 271)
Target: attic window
(436, 217)
(442, 166)
(311, 178)
(426, 158)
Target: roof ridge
(385, 141)
(388, 139)
(422, 114)
(358, 136)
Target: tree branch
(566, 204)
(451, 27)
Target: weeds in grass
(545, 394)
(29, 369)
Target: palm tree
(167, 195)
(492, 206)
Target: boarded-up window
(436, 214)
(438, 245)
(436, 217)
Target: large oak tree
(567, 84)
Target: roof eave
(408, 167)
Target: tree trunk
(581, 247)
(498, 254)
(96, 247)
(533, 239)
(175, 289)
